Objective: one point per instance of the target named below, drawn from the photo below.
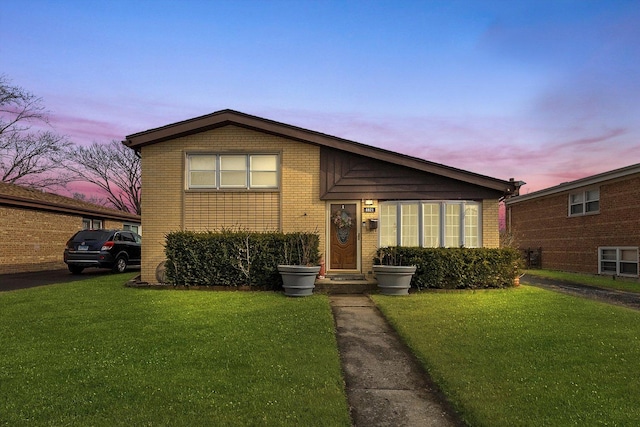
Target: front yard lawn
(95, 353)
(607, 282)
(525, 356)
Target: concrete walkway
(385, 384)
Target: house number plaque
(369, 210)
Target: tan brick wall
(296, 207)
(34, 240)
(490, 224)
(369, 239)
(571, 243)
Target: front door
(343, 239)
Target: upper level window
(584, 202)
(222, 171)
(430, 224)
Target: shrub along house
(35, 226)
(589, 225)
(230, 169)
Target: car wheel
(120, 266)
(74, 269)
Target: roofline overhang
(230, 117)
(582, 182)
(22, 202)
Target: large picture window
(430, 224)
(232, 171)
(621, 261)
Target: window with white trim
(621, 261)
(584, 202)
(232, 171)
(430, 224)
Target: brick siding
(34, 240)
(169, 206)
(571, 243)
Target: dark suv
(114, 249)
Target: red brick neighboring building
(35, 226)
(590, 225)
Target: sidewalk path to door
(386, 386)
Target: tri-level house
(590, 225)
(230, 169)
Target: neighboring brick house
(35, 226)
(230, 169)
(590, 225)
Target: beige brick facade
(169, 206)
(490, 224)
(296, 206)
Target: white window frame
(461, 229)
(585, 203)
(618, 260)
(248, 185)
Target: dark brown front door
(344, 237)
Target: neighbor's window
(430, 224)
(584, 202)
(222, 171)
(91, 224)
(621, 261)
(131, 227)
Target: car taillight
(107, 246)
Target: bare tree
(27, 157)
(113, 168)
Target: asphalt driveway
(10, 282)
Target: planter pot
(298, 280)
(394, 279)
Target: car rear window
(89, 235)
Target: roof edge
(582, 182)
(227, 117)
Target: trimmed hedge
(456, 268)
(236, 258)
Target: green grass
(608, 282)
(525, 356)
(96, 353)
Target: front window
(430, 224)
(232, 171)
(388, 224)
(584, 202)
(621, 261)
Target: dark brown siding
(344, 175)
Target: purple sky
(541, 91)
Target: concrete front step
(329, 286)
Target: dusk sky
(541, 91)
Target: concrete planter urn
(298, 280)
(394, 279)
